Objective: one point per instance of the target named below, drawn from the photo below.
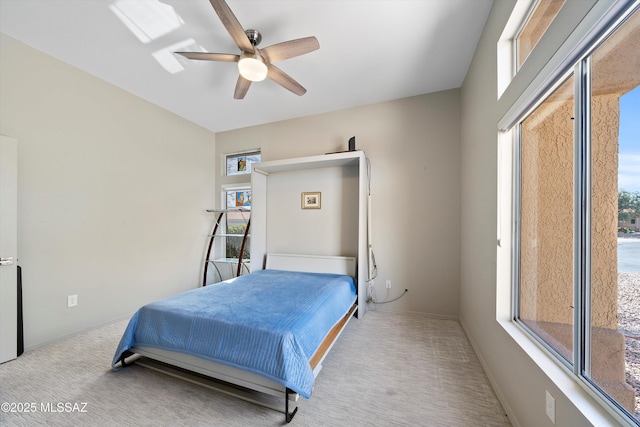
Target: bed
(260, 337)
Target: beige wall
(414, 148)
(111, 194)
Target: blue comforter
(270, 323)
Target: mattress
(270, 322)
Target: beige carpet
(386, 370)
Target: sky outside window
(629, 140)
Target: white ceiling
(370, 51)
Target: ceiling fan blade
(242, 86)
(290, 49)
(232, 25)
(284, 80)
(205, 56)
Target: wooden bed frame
(243, 384)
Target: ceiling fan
(255, 64)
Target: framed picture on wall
(311, 200)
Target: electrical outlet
(388, 284)
(72, 300)
(551, 407)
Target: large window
(577, 271)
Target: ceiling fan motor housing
(254, 36)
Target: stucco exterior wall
(546, 269)
(604, 210)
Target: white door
(8, 248)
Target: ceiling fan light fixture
(252, 67)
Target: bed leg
(288, 416)
(123, 356)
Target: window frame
(531, 13)
(224, 189)
(580, 67)
(516, 227)
(590, 30)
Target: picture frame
(311, 200)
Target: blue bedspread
(270, 323)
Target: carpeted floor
(386, 370)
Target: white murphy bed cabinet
(280, 225)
